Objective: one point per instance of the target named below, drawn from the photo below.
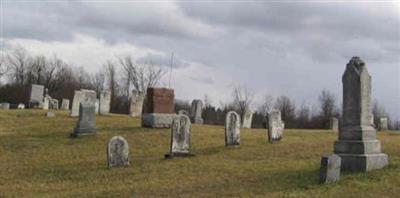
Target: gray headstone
(50, 114)
(136, 104)
(36, 97)
(247, 119)
(180, 136)
(117, 152)
(46, 103)
(105, 100)
(157, 120)
(329, 171)
(5, 106)
(357, 144)
(275, 126)
(83, 95)
(383, 124)
(334, 124)
(54, 104)
(65, 104)
(232, 129)
(195, 112)
(21, 106)
(97, 106)
(86, 124)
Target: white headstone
(232, 129)
(275, 126)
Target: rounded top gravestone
(117, 152)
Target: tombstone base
(197, 120)
(363, 162)
(157, 120)
(83, 132)
(172, 155)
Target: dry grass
(38, 159)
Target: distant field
(38, 159)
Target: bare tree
(3, 66)
(97, 81)
(18, 62)
(287, 108)
(242, 99)
(378, 111)
(327, 104)
(207, 101)
(111, 71)
(140, 76)
(303, 116)
(267, 105)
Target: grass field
(38, 159)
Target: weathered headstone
(232, 129)
(65, 104)
(136, 104)
(97, 106)
(36, 97)
(117, 152)
(383, 124)
(50, 114)
(159, 108)
(83, 95)
(329, 171)
(334, 124)
(195, 112)
(357, 144)
(183, 112)
(105, 99)
(247, 119)
(54, 104)
(275, 126)
(180, 137)
(5, 106)
(86, 124)
(21, 106)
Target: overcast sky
(277, 48)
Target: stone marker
(383, 124)
(195, 112)
(232, 129)
(104, 102)
(54, 104)
(86, 124)
(5, 106)
(329, 171)
(117, 152)
(275, 126)
(46, 103)
(247, 119)
(82, 95)
(357, 144)
(97, 106)
(65, 104)
(180, 137)
(50, 114)
(21, 106)
(183, 112)
(136, 104)
(159, 108)
(36, 97)
(334, 124)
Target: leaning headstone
(357, 144)
(86, 124)
(97, 104)
(104, 102)
(21, 106)
(195, 112)
(136, 104)
(83, 95)
(36, 97)
(383, 124)
(275, 126)
(5, 106)
(159, 110)
(334, 124)
(247, 119)
(65, 104)
(329, 171)
(232, 129)
(183, 112)
(117, 152)
(180, 137)
(50, 114)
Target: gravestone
(105, 100)
(54, 104)
(159, 108)
(86, 124)
(275, 126)
(46, 103)
(5, 106)
(247, 119)
(180, 137)
(334, 124)
(50, 114)
(195, 112)
(36, 96)
(232, 129)
(183, 112)
(21, 106)
(97, 106)
(83, 95)
(383, 124)
(357, 144)
(136, 104)
(329, 171)
(117, 152)
(65, 104)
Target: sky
(292, 48)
